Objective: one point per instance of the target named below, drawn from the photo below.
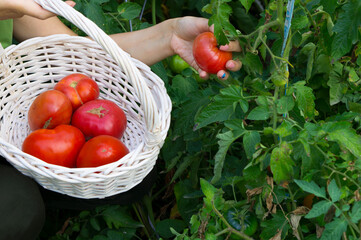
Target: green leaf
(346, 136)
(253, 63)
(129, 10)
(334, 191)
(282, 163)
(270, 227)
(355, 215)
(250, 140)
(95, 13)
(311, 187)
(309, 51)
(334, 229)
(222, 107)
(225, 141)
(319, 208)
(285, 104)
(119, 217)
(305, 100)
(329, 5)
(208, 189)
(346, 28)
(259, 113)
(337, 84)
(220, 20)
(299, 22)
(183, 86)
(247, 4)
(284, 130)
(94, 222)
(163, 227)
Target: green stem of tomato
(275, 116)
(153, 13)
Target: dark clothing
(22, 211)
(23, 202)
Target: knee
(21, 207)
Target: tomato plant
(177, 64)
(245, 222)
(50, 109)
(79, 88)
(101, 150)
(59, 146)
(207, 54)
(100, 117)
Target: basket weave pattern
(35, 65)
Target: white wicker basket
(35, 65)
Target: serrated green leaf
(222, 107)
(119, 217)
(285, 104)
(282, 163)
(208, 189)
(95, 13)
(247, 4)
(305, 100)
(250, 140)
(346, 28)
(344, 135)
(220, 20)
(253, 63)
(309, 51)
(284, 130)
(355, 215)
(311, 187)
(225, 141)
(329, 5)
(334, 191)
(337, 84)
(129, 10)
(299, 22)
(318, 209)
(259, 113)
(334, 229)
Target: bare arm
(150, 45)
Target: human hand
(185, 30)
(18, 8)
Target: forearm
(149, 45)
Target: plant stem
(275, 118)
(153, 13)
(341, 173)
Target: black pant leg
(22, 211)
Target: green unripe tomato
(247, 223)
(177, 64)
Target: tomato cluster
(72, 127)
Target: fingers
(232, 46)
(35, 10)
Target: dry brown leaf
(357, 195)
(295, 221)
(301, 210)
(277, 236)
(251, 192)
(319, 231)
(269, 202)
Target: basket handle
(123, 59)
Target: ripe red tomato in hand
(79, 88)
(100, 117)
(59, 146)
(101, 150)
(207, 54)
(50, 109)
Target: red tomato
(49, 109)
(101, 150)
(59, 146)
(207, 55)
(79, 88)
(100, 117)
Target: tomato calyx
(98, 111)
(73, 84)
